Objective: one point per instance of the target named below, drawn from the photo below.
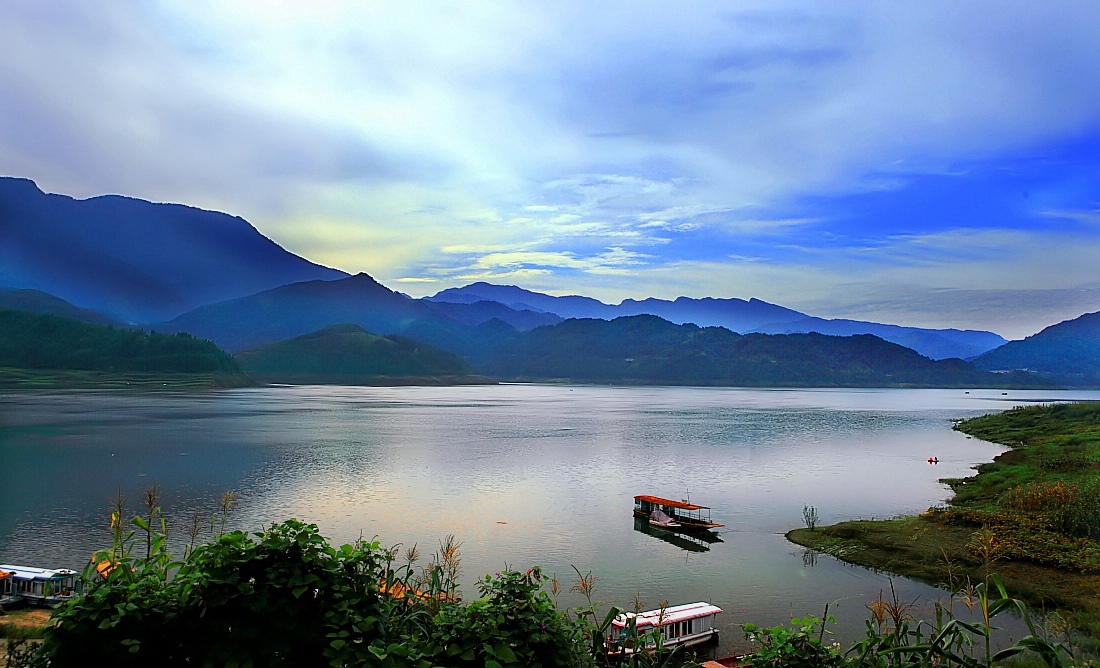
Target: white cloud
(446, 140)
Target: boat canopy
(658, 501)
(667, 616)
(28, 573)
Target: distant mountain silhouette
(641, 349)
(646, 349)
(350, 355)
(301, 308)
(136, 260)
(737, 315)
(937, 344)
(1068, 351)
(478, 312)
(37, 301)
(573, 306)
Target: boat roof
(671, 615)
(30, 573)
(684, 505)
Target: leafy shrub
(799, 645)
(514, 624)
(1039, 497)
(1072, 509)
(282, 597)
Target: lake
(520, 474)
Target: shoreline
(1038, 563)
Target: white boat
(39, 586)
(5, 597)
(678, 626)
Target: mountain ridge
(738, 315)
(1068, 350)
(136, 260)
(646, 349)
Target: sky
(923, 163)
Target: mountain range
(738, 315)
(645, 349)
(167, 267)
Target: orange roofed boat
(689, 516)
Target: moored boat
(689, 516)
(39, 586)
(5, 582)
(678, 626)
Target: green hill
(41, 302)
(53, 345)
(350, 355)
(648, 350)
(1069, 352)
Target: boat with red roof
(689, 516)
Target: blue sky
(931, 163)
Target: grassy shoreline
(1034, 507)
(70, 379)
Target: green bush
(282, 597)
(514, 624)
(799, 645)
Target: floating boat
(678, 626)
(689, 516)
(5, 579)
(39, 586)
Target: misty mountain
(737, 315)
(475, 313)
(1069, 351)
(37, 301)
(573, 306)
(937, 344)
(301, 308)
(630, 349)
(646, 349)
(136, 260)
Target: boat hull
(685, 523)
(673, 643)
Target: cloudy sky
(924, 163)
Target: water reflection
(522, 475)
(697, 541)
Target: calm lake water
(521, 474)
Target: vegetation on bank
(284, 596)
(1034, 510)
(69, 379)
(43, 351)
